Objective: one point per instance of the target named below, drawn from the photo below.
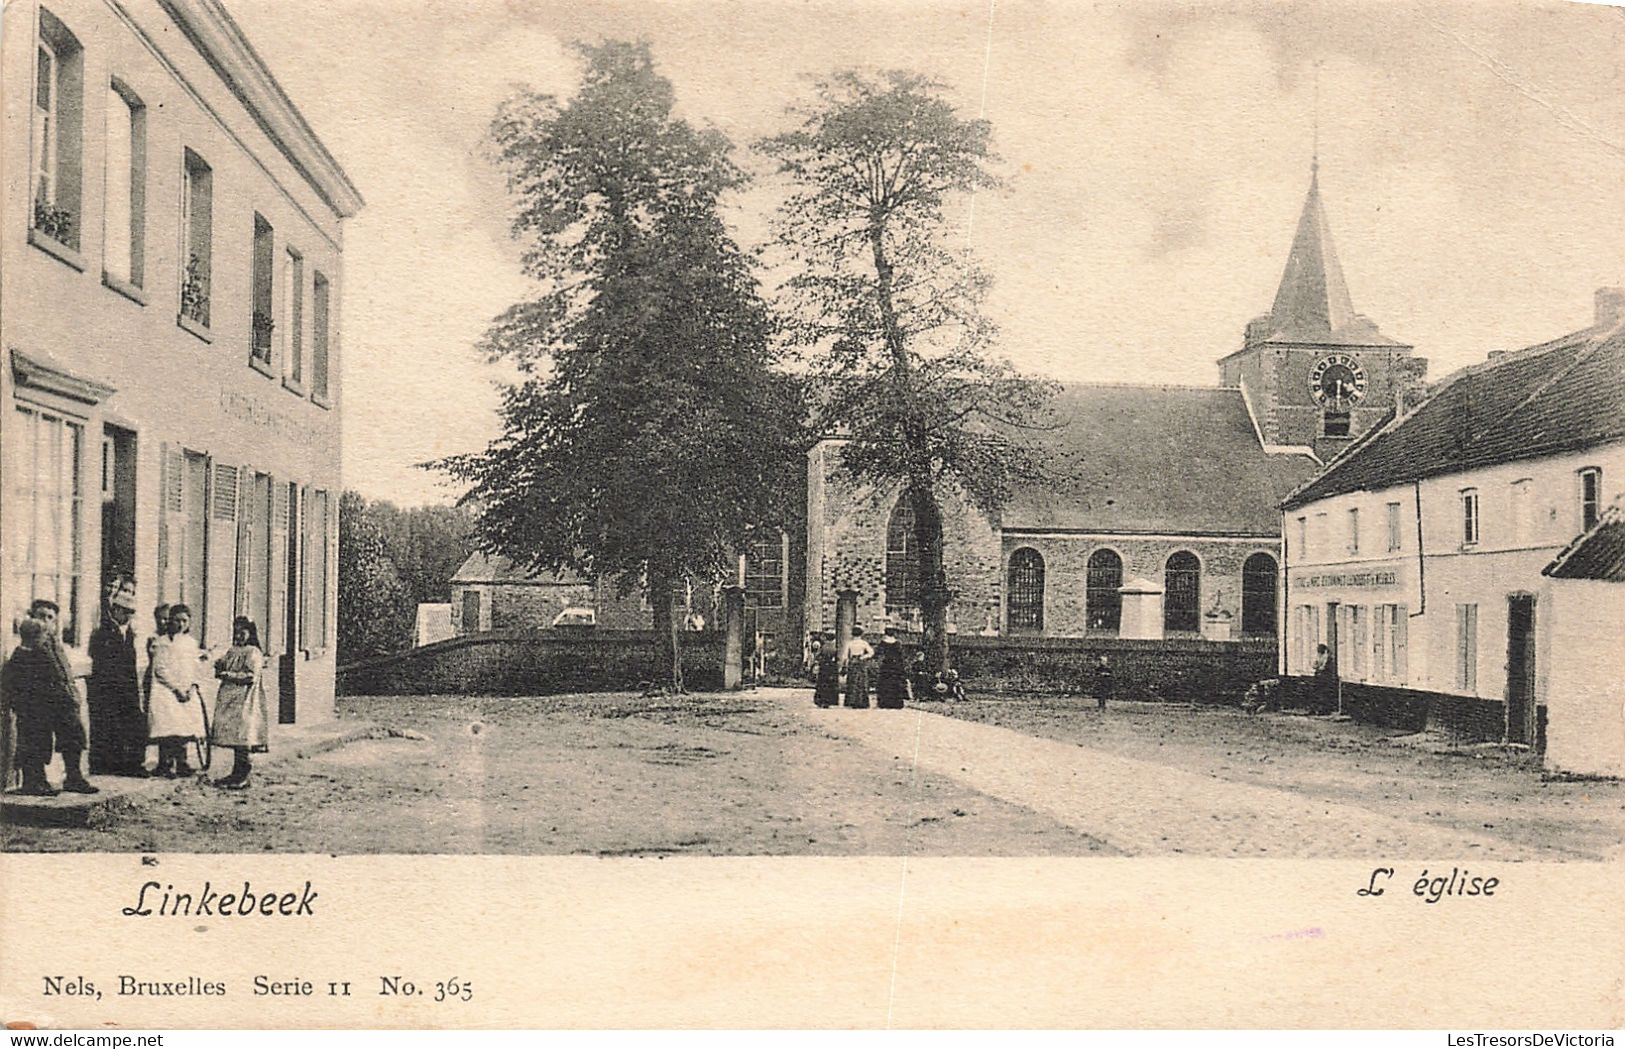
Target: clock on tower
(1337, 382)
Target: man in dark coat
(118, 725)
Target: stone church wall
(1066, 565)
(847, 548)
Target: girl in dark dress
(827, 685)
(891, 675)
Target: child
(242, 719)
(47, 711)
(175, 708)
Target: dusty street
(1502, 798)
(764, 773)
(609, 774)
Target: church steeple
(1312, 303)
(1310, 333)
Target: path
(1139, 807)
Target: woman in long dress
(827, 685)
(242, 716)
(858, 654)
(891, 673)
(175, 708)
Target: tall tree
(896, 308)
(646, 432)
(376, 609)
(427, 544)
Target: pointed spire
(1312, 302)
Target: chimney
(1610, 307)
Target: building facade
(1162, 520)
(1420, 558)
(169, 392)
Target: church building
(1165, 521)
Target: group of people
(133, 704)
(895, 680)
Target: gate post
(733, 619)
(846, 614)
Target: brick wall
(534, 663)
(847, 549)
(1467, 719)
(1186, 670)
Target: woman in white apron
(242, 715)
(175, 708)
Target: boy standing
(40, 692)
(47, 707)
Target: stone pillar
(1142, 610)
(733, 619)
(1216, 624)
(846, 614)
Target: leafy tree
(376, 608)
(896, 308)
(427, 544)
(646, 432)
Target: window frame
(1467, 648)
(906, 598)
(46, 146)
(1354, 529)
(1028, 617)
(196, 244)
(55, 217)
(290, 318)
(263, 315)
(125, 104)
(70, 543)
(321, 339)
(1396, 527)
(1251, 609)
(1092, 574)
(1590, 501)
(1192, 613)
(1471, 517)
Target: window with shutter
(1401, 668)
(225, 492)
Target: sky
(1472, 164)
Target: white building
(169, 379)
(1420, 556)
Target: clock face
(1337, 382)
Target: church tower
(1314, 372)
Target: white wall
(1516, 540)
(1586, 686)
(173, 387)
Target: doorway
(1331, 637)
(1521, 669)
(118, 501)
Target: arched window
(902, 561)
(1258, 595)
(1024, 600)
(1182, 593)
(1103, 599)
